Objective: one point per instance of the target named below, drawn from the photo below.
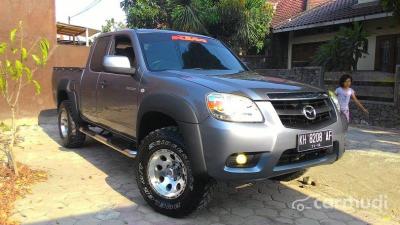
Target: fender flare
(171, 105)
(68, 87)
(187, 120)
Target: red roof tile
(286, 9)
(314, 3)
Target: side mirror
(118, 64)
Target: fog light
(241, 159)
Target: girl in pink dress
(344, 92)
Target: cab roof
(149, 31)
(143, 31)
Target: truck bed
(71, 75)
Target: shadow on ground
(265, 202)
(373, 139)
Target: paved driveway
(95, 185)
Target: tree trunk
(12, 161)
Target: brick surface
(95, 185)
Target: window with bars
(387, 53)
(398, 50)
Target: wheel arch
(66, 91)
(167, 110)
(172, 107)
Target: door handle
(103, 84)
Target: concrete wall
(375, 86)
(370, 84)
(381, 114)
(308, 75)
(70, 56)
(39, 20)
(374, 28)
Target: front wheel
(165, 177)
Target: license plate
(314, 140)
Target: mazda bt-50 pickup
(190, 112)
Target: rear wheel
(68, 127)
(165, 177)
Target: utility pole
(91, 5)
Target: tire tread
(75, 138)
(206, 184)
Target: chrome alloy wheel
(167, 174)
(64, 123)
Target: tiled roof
(331, 11)
(314, 3)
(286, 9)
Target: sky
(94, 17)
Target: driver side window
(123, 47)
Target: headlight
(333, 96)
(233, 108)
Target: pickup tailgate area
(65, 78)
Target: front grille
(291, 113)
(291, 156)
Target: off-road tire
(198, 190)
(290, 176)
(73, 137)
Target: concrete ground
(95, 185)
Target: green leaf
(24, 54)
(28, 74)
(19, 68)
(13, 34)
(2, 83)
(44, 48)
(14, 50)
(36, 59)
(10, 69)
(3, 47)
(38, 88)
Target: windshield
(168, 51)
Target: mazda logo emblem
(309, 112)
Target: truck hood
(246, 83)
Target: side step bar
(127, 152)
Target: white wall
(367, 61)
(374, 28)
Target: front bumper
(220, 139)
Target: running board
(127, 152)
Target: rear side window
(100, 51)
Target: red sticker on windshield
(188, 38)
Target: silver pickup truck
(191, 112)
